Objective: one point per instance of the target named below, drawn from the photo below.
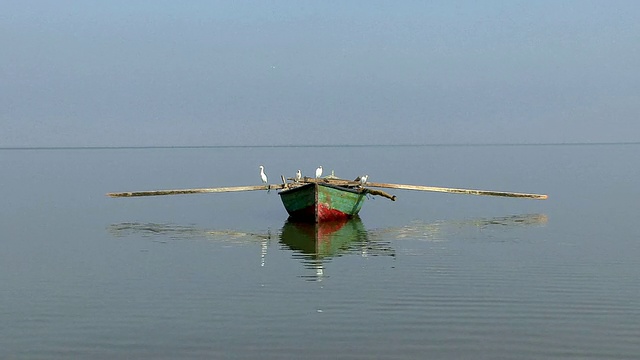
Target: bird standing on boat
(298, 175)
(319, 171)
(263, 175)
(363, 180)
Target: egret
(363, 180)
(263, 175)
(319, 171)
(298, 175)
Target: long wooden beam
(338, 182)
(342, 182)
(457, 191)
(197, 191)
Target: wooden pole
(342, 182)
(196, 191)
(381, 193)
(457, 191)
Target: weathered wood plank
(196, 191)
(458, 191)
(342, 182)
(338, 182)
(381, 193)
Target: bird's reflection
(316, 244)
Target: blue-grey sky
(155, 73)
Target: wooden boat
(326, 199)
(320, 202)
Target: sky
(226, 73)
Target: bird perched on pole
(263, 175)
(298, 175)
(319, 171)
(363, 180)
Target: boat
(320, 202)
(329, 198)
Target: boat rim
(302, 186)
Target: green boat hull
(317, 202)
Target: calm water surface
(437, 276)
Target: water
(431, 275)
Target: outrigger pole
(197, 191)
(341, 182)
(458, 191)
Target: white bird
(319, 171)
(363, 180)
(263, 175)
(298, 175)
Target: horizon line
(133, 147)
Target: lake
(429, 276)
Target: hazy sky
(142, 73)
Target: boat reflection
(323, 240)
(317, 244)
(161, 232)
(444, 230)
